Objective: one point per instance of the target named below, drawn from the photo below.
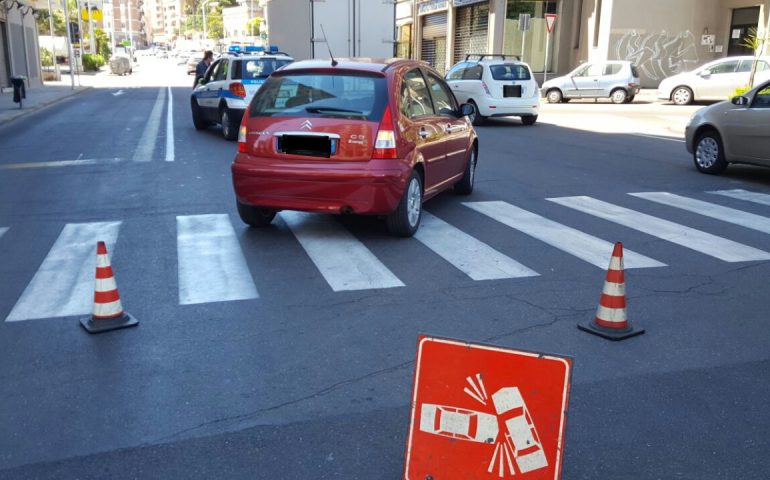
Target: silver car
(737, 131)
(715, 80)
(616, 80)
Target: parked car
(362, 136)
(616, 80)
(227, 87)
(737, 131)
(497, 86)
(715, 80)
(192, 63)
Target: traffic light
(74, 32)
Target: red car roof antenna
(334, 62)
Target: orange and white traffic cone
(108, 311)
(610, 321)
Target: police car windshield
(348, 95)
(254, 68)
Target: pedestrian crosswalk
(212, 266)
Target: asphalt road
(297, 379)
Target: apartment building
(662, 37)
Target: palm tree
(756, 43)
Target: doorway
(744, 20)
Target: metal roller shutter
(434, 40)
(471, 30)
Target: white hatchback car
(715, 80)
(227, 88)
(497, 86)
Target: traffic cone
(108, 311)
(610, 320)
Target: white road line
(761, 198)
(476, 259)
(343, 260)
(119, 92)
(726, 214)
(3, 230)
(211, 264)
(170, 127)
(64, 283)
(146, 145)
(60, 163)
(580, 244)
(658, 137)
(691, 238)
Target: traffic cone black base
(610, 333)
(105, 325)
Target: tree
(252, 26)
(102, 43)
(755, 42)
(44, 25)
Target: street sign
(550, 21)
(486, 412)
(524, 22)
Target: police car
(229, 84)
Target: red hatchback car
(362, 136)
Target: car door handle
(455, 128)
(423, 133)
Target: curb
(26, 111)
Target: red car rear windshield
(309, 94)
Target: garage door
(471, 30)
(434, 40)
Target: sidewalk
(37, 98)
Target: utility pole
(130, 31)
(69, 43)
(91, 27)
(53, 39)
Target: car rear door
(456, 127)
(422, 127)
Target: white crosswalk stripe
(3, 230)
(697, 240)
(343, 260)
(64, 283)
(761, 198)
(211, 264)
(726, 214)
(582, 245)
(476, 259)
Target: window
(473, 72)
(210, 71)
(724, 67)
(415, 99)
(456, 73)
(252, 69)
(443, 100)
(762, 98)
(349, 95)
(590, 70)
(612, 69)
(509, 71)
(221, 72)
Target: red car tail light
(237, 89)
(385, 144)
(242, 148)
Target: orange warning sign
(486, 412)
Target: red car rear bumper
(370, 188)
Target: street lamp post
(203, 9)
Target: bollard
(19, 91)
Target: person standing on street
(203, 65)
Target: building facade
(19, 49)
(662, 37)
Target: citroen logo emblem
(306, 125)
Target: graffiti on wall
(658, 55)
